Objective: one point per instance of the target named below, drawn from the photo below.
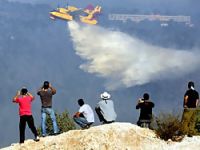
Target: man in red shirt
(24, 99)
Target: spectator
(105, 109)
(46, 93)
(145, 106)
(85, 116)
(191, 99)
(24, 99)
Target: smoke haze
(126, 61)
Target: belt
(46, 106)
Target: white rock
(115, 136)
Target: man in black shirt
(145, 106)
(191, 99)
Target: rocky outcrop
(115, 136)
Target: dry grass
(168, 126)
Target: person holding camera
(46, 93)
(145, 106)
(24, 99)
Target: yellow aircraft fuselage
(60, 15)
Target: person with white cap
(105, 109)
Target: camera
(141, 101)
(24, 91)
(46, 85)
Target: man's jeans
(50, 112)
(81, 121)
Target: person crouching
(105, 109)
(85, 116)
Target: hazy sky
(82, 61)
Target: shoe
(43, 135)
(103, 123)
(86, 127)
(36, 139)
(55, 133)
(189, 135)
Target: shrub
(197, 125)
(65, 123)
(168, 126)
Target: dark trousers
(101, 118)
(22, 126)
(144, 123)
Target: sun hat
(105, 95)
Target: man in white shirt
(85, 116)
(105, 109)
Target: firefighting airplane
(69, 12)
